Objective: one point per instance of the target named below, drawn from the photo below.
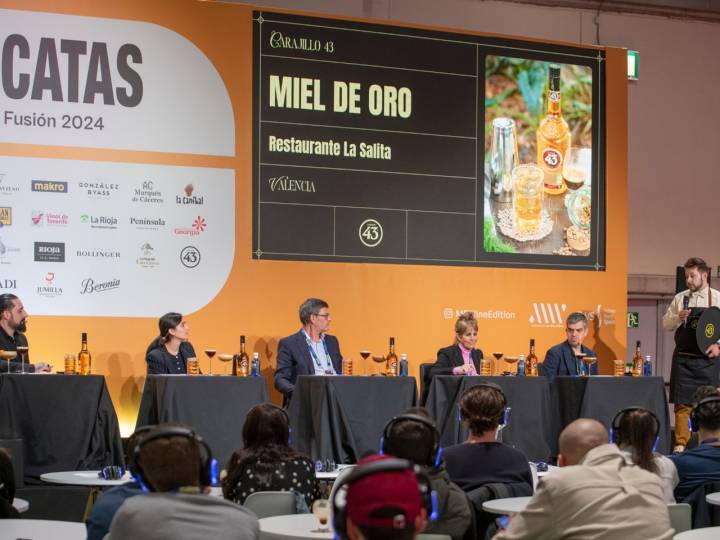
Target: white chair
(423, 536)
(271, 503)
(680, 517)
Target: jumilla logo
(48, 288)
(49, 186)
(90, 286)
(189, 198)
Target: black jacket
(294, 359)
(451, 357)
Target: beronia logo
(90, 286)
(49, 186)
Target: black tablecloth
(342, 418)
(530, 416)
(67, 422)
(602, 397)
(214, 406)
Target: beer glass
(70, 364)
(619, 368)
(503, 158)
(193, 366)
(527, 197)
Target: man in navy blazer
(561, 359)
(310, 351)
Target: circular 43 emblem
(190, 256)
(552, 158)
(370, 232)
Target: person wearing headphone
(267, 462)
(482, 459)
(383, 498)
(413, 436)
(168, 353)
(701, 464)
(636, 431)
(175, 468)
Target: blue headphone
(615, 424)
(505, 409)
(694, 421)
(435, 457)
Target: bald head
(579, 437)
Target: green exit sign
(633, 319)
(633, 65)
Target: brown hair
(637, 430)
(170, 463)
(483, 407)
(697, 262)
(464, 321)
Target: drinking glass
(9, 356)
(580, 356)
(527, 197)
(512, 360)
(498, 356)
(225, 358)
(22, 350)
(619, 368)
(382, 361)
(193, 366)
(577, 167)
(365, 355)
(589, 361)
(503, 158)
(70, 364)
(210, 353)
(321, 509)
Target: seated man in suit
(308, 352)
(561, 359)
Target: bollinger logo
(33, 70)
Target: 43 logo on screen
(370, 232)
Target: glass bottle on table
(531, 368)
(391, 362)
(403, 365)
(637, 361)
(647, 366)
(521, 366)
(255, 365)
(241, 363)
(84, 357)
(553, 137)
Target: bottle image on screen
(255, 365)
(241, 362)
(84, 358)
(531, 368)
(553, 137)
(391, 362)
(637, 361)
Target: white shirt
(667, 472)
(671, 321)
(321, 360)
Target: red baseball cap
(388, 500)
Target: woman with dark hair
(268, 462)
(482, 459)
(635, 433)
(168, 353)
(460, 358)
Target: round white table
(511, 505)
(707, 533)
(21, 505)
(550, 469)
(302, 526)
(41, 529)
(83, 478)
(713, 498)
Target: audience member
(104, 509)
(636, 431)
(413, 436)
(267, 462)
(482, 459)
(701, 464)
(382, 499)
(177, 464)
(7, 487)
(596, 495)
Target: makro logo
(548, 314)
(50, 251)
(6, 215)
(49, 186)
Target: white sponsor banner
(104, 83)
(115, 239)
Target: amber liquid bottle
(531, 368)
(84, 357)
(391, 362)
(241, 361)
(553, 138)
(637, 361)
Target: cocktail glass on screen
(579, 356)
(22, 350)
(589, 361)
(225, 358)
(577, 166)
(193, 366)
(8, 356)
(210, 353)
(365, 355)
(512, 360)
(527, 197)
(321, 509)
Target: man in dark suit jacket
(561, 359)
(310, 351)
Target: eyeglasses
(324, 315)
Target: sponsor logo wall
(115, 239)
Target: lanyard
(314, 354)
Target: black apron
(690, 367)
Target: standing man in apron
(689, 371)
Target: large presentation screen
(390, 144)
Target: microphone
(686, 304)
